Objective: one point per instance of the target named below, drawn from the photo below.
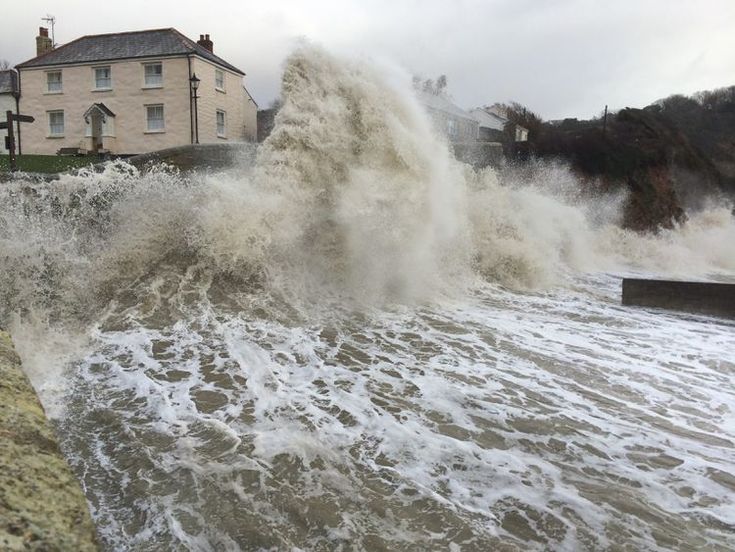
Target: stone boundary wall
(195, 157)
(479, 154)
(42, 507)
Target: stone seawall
(42, 507)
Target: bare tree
(276, 104)
(519, 114)
(4, 65)
(441, 85)
(436, 87)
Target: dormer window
(102, 78)
(219, 80)
(53, 81)
(153, 75)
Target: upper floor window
(53, 81)
(219, 79)
(154, 118)
(221, 129)
(56, 123)
(153, 75)
(452, 128)
(102, 78)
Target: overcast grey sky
(559, 57)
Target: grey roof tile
(135, 44)
(8, 82)
(442, 103)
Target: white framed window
(154, 118)
(56, 123)
(53, 81)
(153, 75)
(221, 126)
(219, 79)
(452, 128)
(102, 78)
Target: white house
(454, 122)
(132, 92)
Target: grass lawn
(48, 163)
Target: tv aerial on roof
(51, 20)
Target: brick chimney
(205, 42)
(43, 42)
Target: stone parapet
(42, 507)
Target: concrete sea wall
(700, 297)
(42, 507)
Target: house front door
(96, 131)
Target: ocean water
(353, 342)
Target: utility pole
(604, 122)
(51, 20)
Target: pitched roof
(441, 103)
(488, 119)
(102, 108)
(8, 82)
(134, 44)
(492, 117)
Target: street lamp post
(194, 83)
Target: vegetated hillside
(676, 154)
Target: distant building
(8, 98)
(494, 126)
(454, 122)
(130, 92)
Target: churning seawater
(353, 342)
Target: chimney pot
(42, 31)
(205, 42)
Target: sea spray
(358, 343)
(354, 195)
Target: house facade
(452, 121)
(8, 99)
(129, 93)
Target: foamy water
(357, 343)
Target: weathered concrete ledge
(42, 507)
(699, 297)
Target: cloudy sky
(561, 58)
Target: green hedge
(48, 163)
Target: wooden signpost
(10, 138)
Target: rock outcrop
(42, 507)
